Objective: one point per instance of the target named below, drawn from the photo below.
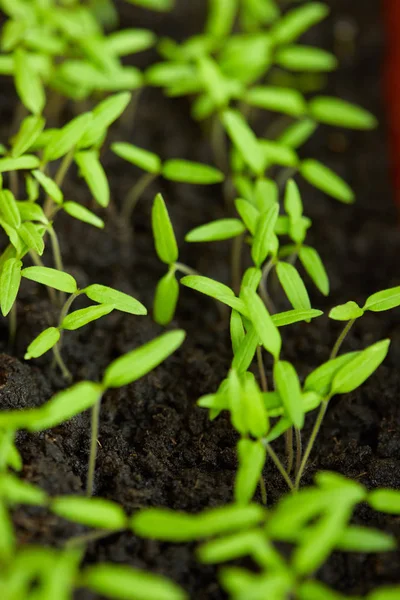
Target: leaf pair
(378, 302)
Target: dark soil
(156, 447)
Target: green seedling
(179, 170)
(86, 394)
(108, 299)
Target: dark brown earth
(156, 446)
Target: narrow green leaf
(186, 171)
(311, 261)
(295, 316)
(346, 312)
(63, 140)
(384, 300)
(163, 232)
(338, 112)
(122, 582)
(28, 161)
(297, 133)
(278, 154)
(148, 161)
(32, 236)
(326, 180)
(129, 41)
(363, 539)
(288, 385)
(215, 290)
(263, 324)
(266, 193)
(237, 331)
(30, 129)
(252, 456)
(28, 83)
(81, 213)
(385, 593)
(223, 229)
(107, 295)
(306, 58)
(10, 280)
(173, 526)
(166, 298)
(9, 209)
(352, 375)
(49, 186)
(104, 114)
(42, 343)
(139, 362)
(293, 285)
(248, 213)
(221, 17)
(92, 512)
(52, 278)
(83, 316)
(385, 500)
(246, 351)
(263, 239)
(30, 211)
(93, 173)
(297, 21)
(65, 405)
(159, 5)
(244, 140)
(277, 99)
(256, 413)
(292, 201)
(320, 379)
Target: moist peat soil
(156, 447)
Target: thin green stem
(299, 448)
(185, 269)
(134, 195)
(59, 179)
(289, 449)
(263, 491)
(64, 311)
(323, 407)
(39, 263)
(12, 324)
(93, 447)
(92, 536)
(59, 360)
(55, 246)
(279, 465)
(263, 285)
(236, 259)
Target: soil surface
(156, 448)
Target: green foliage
(93, 512)
(164, 237)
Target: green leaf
(288, 385)
(129, 41)
(251, 279)
(49, 186)
(159, 5)
(93, 173)
(248, 213)
(163, 232)
(148, 161)
(213, 81)
(326, 180)
(338, 112)
(28, 83)
(10, 280)
(81, 213)
(385, 500)
(132, 366)
(223, 229)
(246, 351)
(65, 139)
(266, 193)
(186, 171)
(352, 375)
(14, 491)
(297, 133)
(264, 236)
(9, 209)
(297, 21)
(293, 285)
(315, 590)
(166, 298)
(311, 261)
(278, 154)
(292, 202)
(253, 402)
(30, 211)
(244, 140)
(32, 236)
(363, 539)
(294, 316)
(385, 593)
(83, 316)
(320, 380)
(105, 113)
(252, 456)
(306, 58)
(173, 526)
(65, 405)
(263, 324)
(124, 583)
(30, 129)
(42, 343)
(92, 512)
(346, 312)
(277, 99)
(384, 300)
(215, 290)
(52, 278)
(28, 161)
(107, 295)
(237, 331)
